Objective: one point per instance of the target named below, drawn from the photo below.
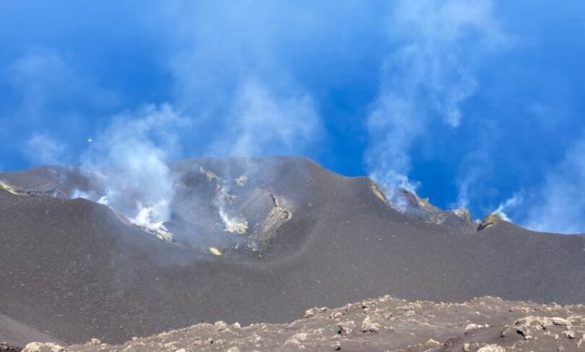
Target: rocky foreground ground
(383, 324)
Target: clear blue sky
(477, 102)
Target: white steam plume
(559, 206)
(234, 70)
(263, 123)
(45, 150)
(130, 160)
(40, 78)
(510, 203)
(425, 80)
(473, 169)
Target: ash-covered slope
(20, 334)
(254, 240)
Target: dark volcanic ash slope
(19, 334)
(298, 236)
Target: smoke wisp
(424, 81)
(45, 150)
(509, 205)
(558, 206)
(263, 123)
(129, 161)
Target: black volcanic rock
(421, 209)
(490, 220)
(6, 347)
(75, 269)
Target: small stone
(181, 350)
(581, 341)
(233, 349)
(346, 327)
(255, 338)
(432, 343)
(466, 347)
(472, 326)
(336, 315)
(560, 321)
(314, 311)
(95, 342)
(492, 348)
(220, 325)
(369, 326)
(296, 339)
(310, 313)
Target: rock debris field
(384, 324)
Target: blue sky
(476, 103)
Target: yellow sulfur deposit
(490, 220)
(215, 251)
(238, 226)
(378, 192)
(241, 181)
(8, 188)
(211, 176)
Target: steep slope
(77, 269)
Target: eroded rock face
(490, 220)
(387, 324)
(419, 208)
(229, 205)
(231, 214)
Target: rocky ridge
(384, 324)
